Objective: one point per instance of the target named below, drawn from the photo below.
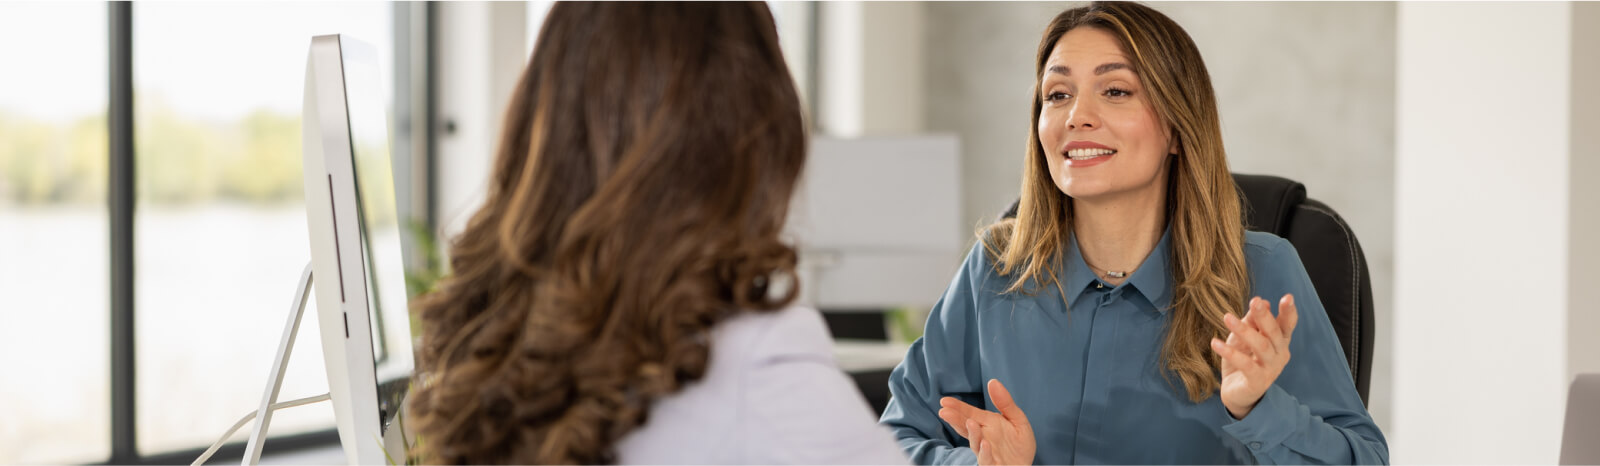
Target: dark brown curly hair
(638, 195)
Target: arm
(944, 362)
(1311, 413)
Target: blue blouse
(1091, 382)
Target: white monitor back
(355, 247)
(878, 221)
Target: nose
(1082, 116)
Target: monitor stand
(269, 401)
(297, 308)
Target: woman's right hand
(997, 438)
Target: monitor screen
(381, 252)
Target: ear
(1173, 149)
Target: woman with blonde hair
(623, 294)
(1114, 306)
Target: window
(220, 228)
(219, 234)
(54, 234)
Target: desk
(868, 355)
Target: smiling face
(1101, 136)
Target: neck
(1118, 234)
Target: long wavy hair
(1203, 211)
(640, 187)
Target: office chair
(1330, 252)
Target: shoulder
(756, 336)
(984, 254)
(980, 270)
(1261, 243)
(707, 420)
(1264, 250)
(695, 425)
(793, 404)
(1274, 265)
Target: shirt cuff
(1268, 424)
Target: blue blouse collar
(1153, 278)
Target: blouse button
(1255, 445)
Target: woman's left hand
(1255, 353)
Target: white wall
(1494, 162)
(875, 89)
(481, 53)
(1583, 323)
(1305, 91)
(980, 73)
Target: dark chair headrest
(1269, 201)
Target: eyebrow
(1098, 70)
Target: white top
(771, 394)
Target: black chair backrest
(1330, 252)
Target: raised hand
(1255, 353)
(997, 438)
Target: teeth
(1082, 154)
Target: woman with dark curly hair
(623, 295)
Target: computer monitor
(357, 261)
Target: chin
(1082, 196)
(1080, 189)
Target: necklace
(1106, 273)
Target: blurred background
(1459, 141)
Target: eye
(1117, 93)
(1056, 97)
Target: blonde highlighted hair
(1203, 208)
